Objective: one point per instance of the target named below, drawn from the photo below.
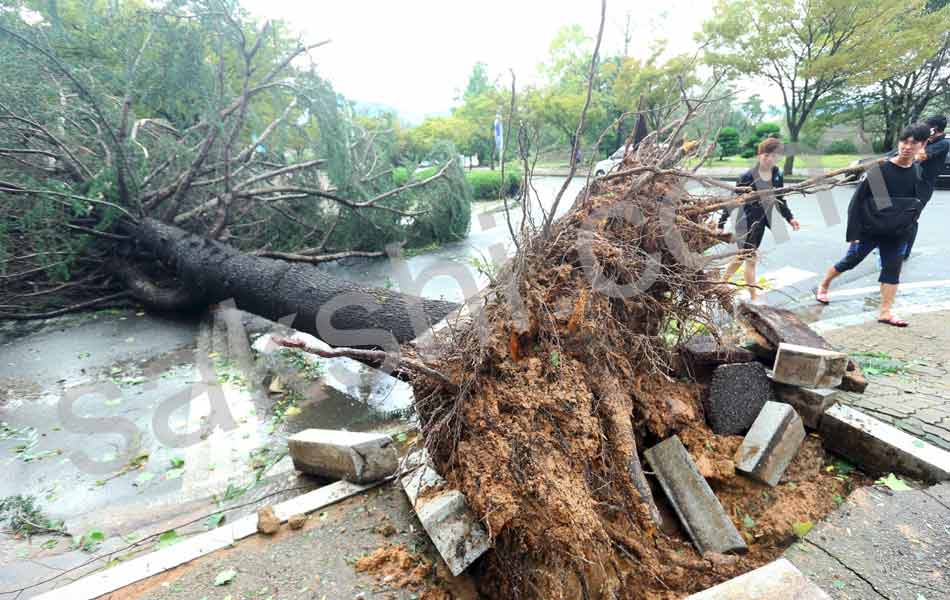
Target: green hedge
(841, 147)
(485, 184)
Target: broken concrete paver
(693, 500)
(810, 403)
(778, 580)
(809, 367)
(703, 353)
(881, 544)
(880, 448)
(737, 394)
(771, 443)
(446, 517)
(353, 456)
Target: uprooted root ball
(564, 377)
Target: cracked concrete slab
(881, 545)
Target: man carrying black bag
(881, 215)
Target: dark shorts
(892, 257)
(749, 237)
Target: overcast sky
(415, 55)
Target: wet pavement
(881, 544)
(123, 422)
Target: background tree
(920, 73)
(806, 48)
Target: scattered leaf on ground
(144, 478)
(225, 577)
(95, 536)
(894, 482)
(214, 520)
(168, 538)
(801, 528)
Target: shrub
(762, 131)
(747, 153)
(727, 142)
(841, 147)
(483, 183)
(486, 184)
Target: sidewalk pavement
(912, 390)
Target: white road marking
(903, 287)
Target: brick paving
(916, 399)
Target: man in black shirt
(931, 158)
(883, 209)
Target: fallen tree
(198, 121)
(537, 407)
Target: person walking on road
(755, 216)
(931, 158)
(882, 212)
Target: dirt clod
(297, 521)
(267, 521)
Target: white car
(608, 164)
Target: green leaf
(225, 577)
(214, 520)
(895, 483)
(168, 538)
(748, 522)
(837, 584)
(801, 528)
(838, 499)
(50, 544)
(177, 462)
(843, 467)
(95, 536)
(144, 478)
(173, 473)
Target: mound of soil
(395, 567)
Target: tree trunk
(789, 167)
(339, 312)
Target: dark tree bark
(339, 312)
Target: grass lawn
(802, 162)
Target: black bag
(896, 219)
